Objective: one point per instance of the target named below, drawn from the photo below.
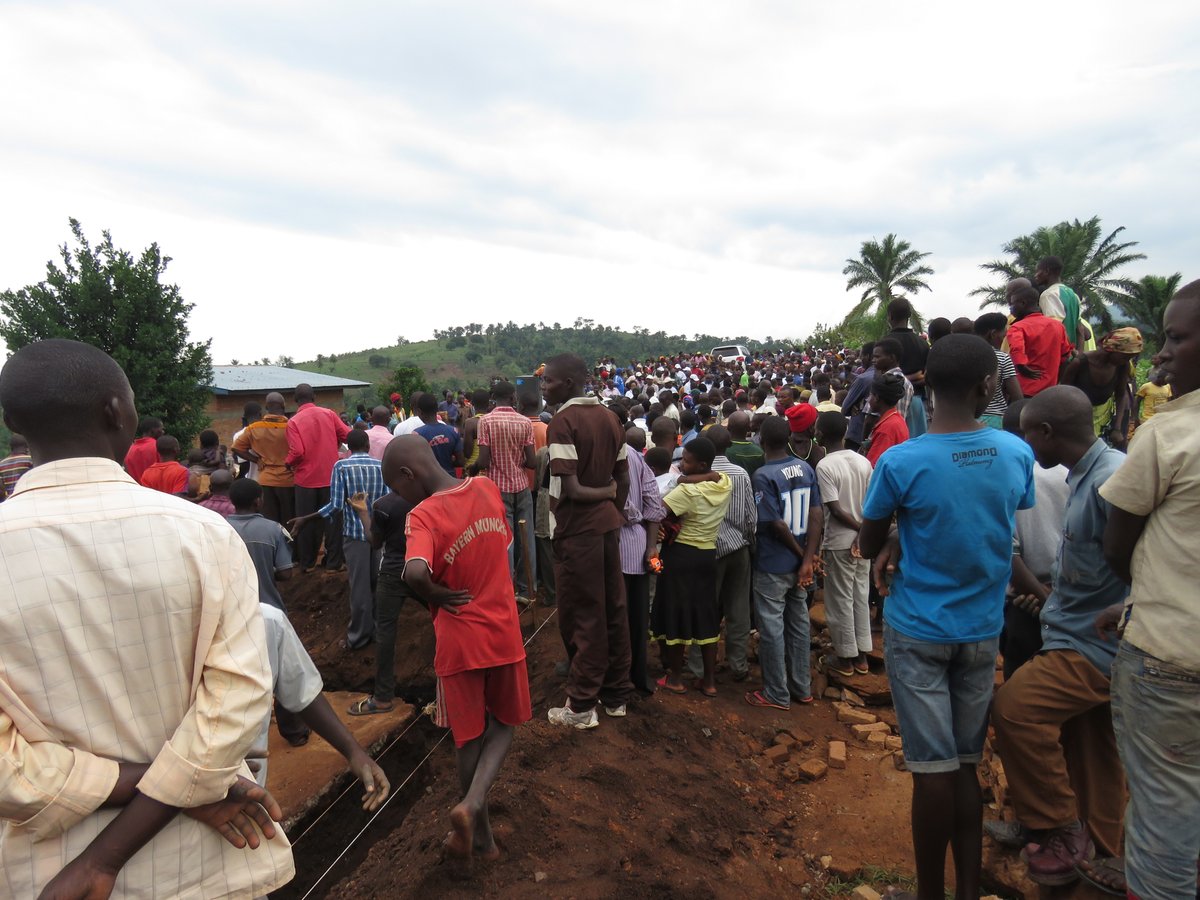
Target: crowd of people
(973, 491)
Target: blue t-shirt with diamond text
(954, 496)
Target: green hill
(466, 357)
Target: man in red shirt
(1038, 345)
(506, 455)
(144, 451)
(166, 475)
(891, 429)
(314, 435)
(456, 540)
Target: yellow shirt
(130, 629)
(1160, 479)
(1153, 396)
(701, 507)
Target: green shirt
(746, 454)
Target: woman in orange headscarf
(1104, 375)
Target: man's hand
(1108, 623)
(1031, 603)
(1120, 440)
(373, 780)
(440, 595)
(1030, 371)
(804, 577)
(885, 565)
(294, 525)
(855, 552)
(81, 879)
(358, 501)
(234, 818)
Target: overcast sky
(330, 176)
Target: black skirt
(685, 601)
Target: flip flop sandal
(662, 683)
(862, 670)
(757, 698)
(833, 667)
(368, 707)
(1115, 864)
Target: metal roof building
(228, 380)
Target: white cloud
(327, 178)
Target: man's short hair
(888, 387)
(658, 458)
(832, 425)
(427, 404)
(568, 365)
(899, 309)
(1025, 294)
(958, 362)
(989, 322)
(243, 493)
(1052, 264)
(503, 392)
(58, 386)
(774, 431)
(209, 439)
(891, 347)
(480, 399)
(357, 440)
(251, 409)
(148, 423)
(702, 449)
(938, 328)
(167, 445)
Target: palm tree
(1145, 305)
(883, 267)
(1090, 264)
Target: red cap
(801, 416)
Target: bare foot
(461, 840)
(491, 854)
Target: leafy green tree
(1091, 262)
(1145, 305)
(406, 380)
(111, 299)
(885, 269)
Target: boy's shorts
(942, 694)
(466, 698)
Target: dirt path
(680, 799)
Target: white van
(731, 353)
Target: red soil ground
(677, 800)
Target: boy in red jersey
(457, 560)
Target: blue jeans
(942, 693)
(1156, 717)
(519, 506)
(781, 608)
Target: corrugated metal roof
(235, 379)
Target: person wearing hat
(802, 442)
(1104, 375)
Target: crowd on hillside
(996, 487)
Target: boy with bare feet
(456, 559)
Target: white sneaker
(617, 712)
(564, 715)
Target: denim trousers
(781, 608)
(519, 506)
(1156, 717)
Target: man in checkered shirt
(506, 455)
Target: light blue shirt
(955, 497)
(1084, 585)
(358, 472)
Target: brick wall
(226, 411)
